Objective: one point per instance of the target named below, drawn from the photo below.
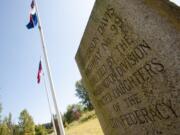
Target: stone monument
(129, 59)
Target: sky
(63, 23)
(176, 1)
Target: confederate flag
(39, 72)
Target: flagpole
(59, 118)
(54, 126)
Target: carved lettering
(147, 114)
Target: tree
(40, 130)
(73, 113)
(4, 130)
(82, 93)
(16, 130)
(7, 124)
(0, 111)
(26, 124)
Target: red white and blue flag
(33, 17)
(39, 72)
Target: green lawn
(87, 125)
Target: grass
(88, 124)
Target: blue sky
(20, 50)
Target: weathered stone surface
(129, 58)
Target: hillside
(87, 125)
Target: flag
(39, 72)
(33, 17)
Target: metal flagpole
(59, 118)
(54, 126)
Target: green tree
(40, 130)
(0, 111)
(4, 130)
(16, 130)
(26, 124)
(82, 93)
(7, 122)
(73, 113)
